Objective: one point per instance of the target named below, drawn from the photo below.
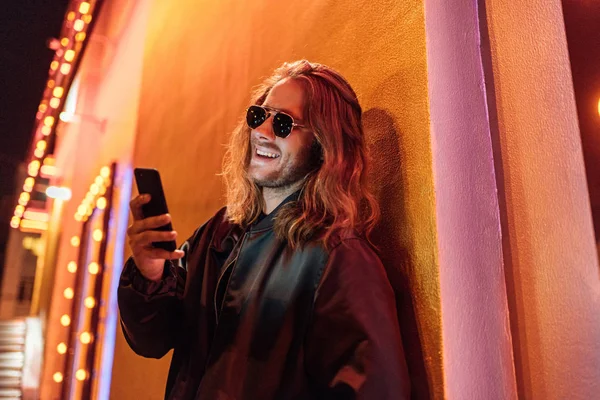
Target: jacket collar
(267, 221)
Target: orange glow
(72, 267)
(78, 217)
(81, 209)
(48, 170)
(94, 189)
(81, 375)
(87, 18)
(54, 65)
(93, 268)
(84, 7)
(51, 83)
(71, 16)
(58, 91)
(64, 42)
(85, 337)
(97, 235)
(49, 121)
(41, 145)
(19, 211)
(58, 377)
(38, 153)
(101, 203)
(42, 108)
(46, 130)
(34, 225)
(54, 102)
(65, 320)
(68, 293)
(35, 164)
(75, 241)
(61, 348)
(36, 216)
(80, 37)
(99, 180)
(24, 198)
(69, 55)
(49, 161)
(78, 25)
(89, 302)
(29, 181)
(15, 222)
(598, 106)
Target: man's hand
(149, 260)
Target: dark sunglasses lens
(255, 116)
(282, 125)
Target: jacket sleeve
(151, 312)
(353, 345)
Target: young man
(279, 295)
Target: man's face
(289, 159)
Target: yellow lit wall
(202, 60)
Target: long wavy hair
(334, 197)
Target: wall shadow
(386, 178)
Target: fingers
(150, 223)
(146, 238)
(164, 254)
(136, 205)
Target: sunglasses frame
(273, 112)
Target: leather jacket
(250, 318)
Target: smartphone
(148, 182)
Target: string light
(46, 130)
(68, 293)
(93, 268)
(61, 348)
(89, 302)
(58, 377)
(101, 203)
(75, 241)
(71, 16)
(54, 65)
(72, 267)
(58, 91)
(54, 102)
(15, 222)
(97, 235)
(80, 37)
(69, 55)
(78, 25)
(85, 338)
(42, 108)
(87, 18)
(49, 120)
(80, 375)
(65, 320)
(84, 7)
(65, 68)
(64, 42)
(105, 172)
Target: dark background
(26, 25)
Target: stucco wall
(201, 61)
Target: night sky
(25, 26)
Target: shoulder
(216, 231)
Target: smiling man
(279, 295)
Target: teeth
(266, 154)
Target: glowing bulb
(54, 65)
(105, 172)
(89, 302)
(71, 16)
(46, 130)
(42, 108)
(61, 348)
(54, 102)
(41, 145)
(68, 293)
(78, 25)
(78, 217)
(93, 268)
(18, 212)
(85, 338)
(94, 189)
(49, 120)
(97, 235)
(72, 267)
(15, 222)
(101, 203)
(39, 153)
(58, 377)
(64, 42)
(69, 55)
(58, 91)
(65, 320)
(84, 7)
(80, 375)
(80, 37)
(35, 164)
(75, 241)
(65, 68)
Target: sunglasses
(282, 123)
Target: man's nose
(265, 130)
